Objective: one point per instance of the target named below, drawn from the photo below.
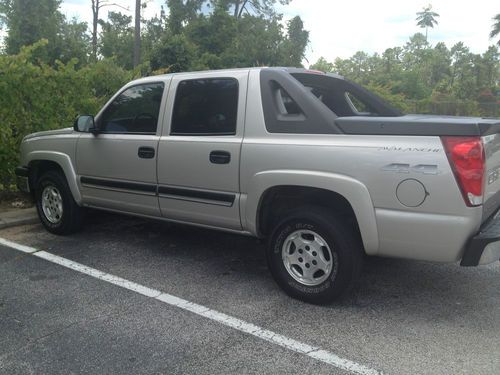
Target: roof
(290, 70)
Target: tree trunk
(137, 33)
(236, 8)
(95, 19)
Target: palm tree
(426, 18)
(496, 28)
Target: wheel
(314, 256)
(56, 207)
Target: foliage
(74, 70)
(426, 18)
(174, 53)
(495, 31)
(238, 8)
(36, 96)
(428, 79)
(117, 39)
(219, 40)
(323, 65)
(29, 21)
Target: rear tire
(314, 256)
(56, 207)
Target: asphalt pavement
(405, 318)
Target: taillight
(466, 156)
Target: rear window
(206, 107)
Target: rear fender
(352, 190)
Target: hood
(49, 133)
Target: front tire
(56, 207)
(314, 256)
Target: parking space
(406, 317)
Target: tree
(74, 42)
(257, 42)
(181, 12)
(117, 39)
(490, 68)
(439, 65)
(463, 83)
(173, 54)
(97, 5)
(427, 18)
(255, 7)
(137, 33)
(295, 44)
(153, 31)
(496, 28)
(29, 21)
(323, 65)
(416, 51)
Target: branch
(242, 8)
(104, 3)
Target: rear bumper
(22, 179)
(484, 247)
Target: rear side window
(206, 107)
(135, 110)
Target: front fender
(351, 189)
(64, 161)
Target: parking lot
(405, 318)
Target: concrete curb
(15, 218)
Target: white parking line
(227, 320)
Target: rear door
(117, 168)
(199, 151)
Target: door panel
(198, 182)
(117, 167)
(113, 175)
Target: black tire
(345, 247)
(72, 215)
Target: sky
(341, 28)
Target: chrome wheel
(52, 204)
(307, 257)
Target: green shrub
(35, 96)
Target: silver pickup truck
(322, 168)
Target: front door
(199, 151)
(117, 167)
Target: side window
(134, 111)
(206, 107)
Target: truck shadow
(391, 287)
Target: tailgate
(492, 175)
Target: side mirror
(85, 124)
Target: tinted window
(206, 107)
(134, 111)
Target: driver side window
(134, 111)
